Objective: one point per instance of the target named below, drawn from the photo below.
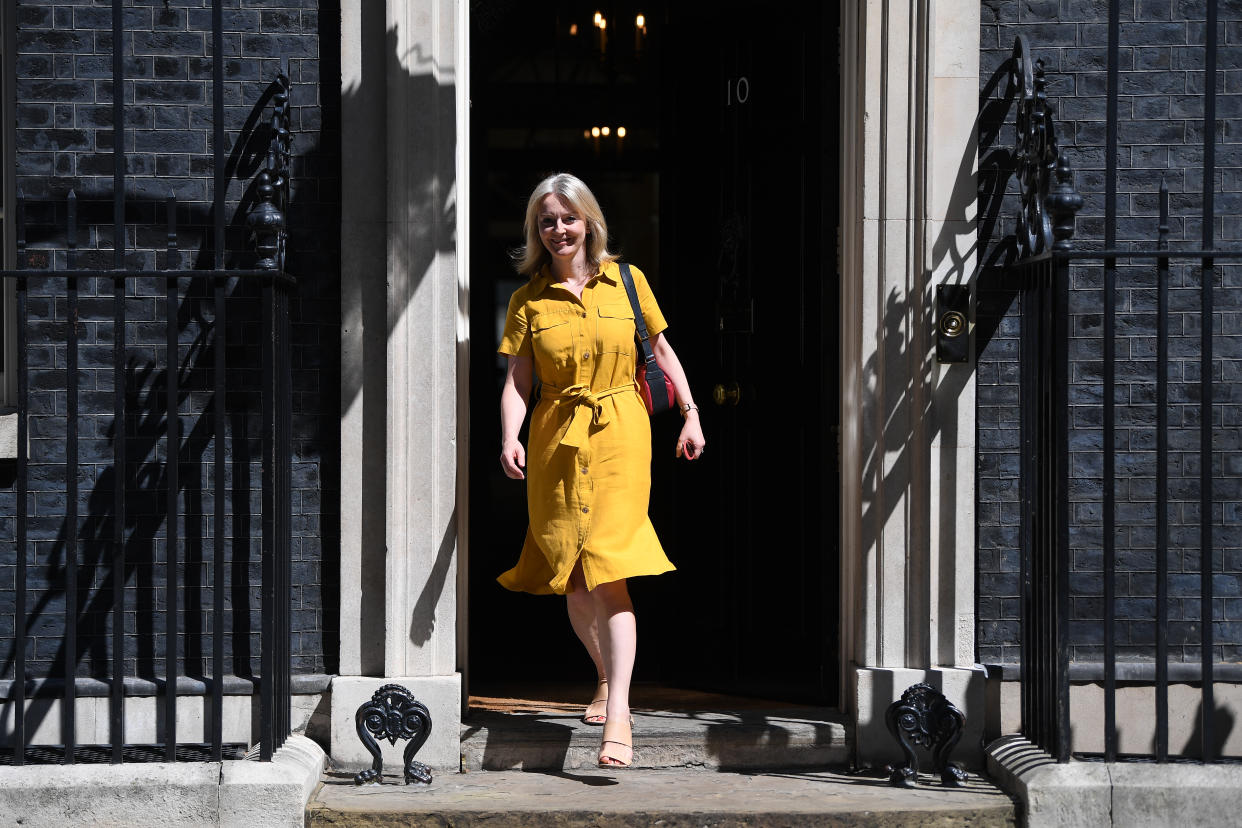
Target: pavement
(670, 798)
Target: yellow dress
(588, 462)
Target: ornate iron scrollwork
(393, 713)
(1046, 217)
(924, 717)
(267, 221)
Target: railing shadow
(145, 474)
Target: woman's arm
(691, 441)
(513, 397)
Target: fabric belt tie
(588, 409)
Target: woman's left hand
(690, 442)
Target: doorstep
(788, 737)
(538, 727)
(671, 798)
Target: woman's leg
(618, 637)
(581, 608)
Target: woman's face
(562, 231)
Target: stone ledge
(235, 793)
(1091, 794)
(1135, 671)
(272, 793)
(8, 435)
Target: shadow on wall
(315, 432)
(931, 394)
(423, 204)
(146, 429)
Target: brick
(50, 40)
(189, 44)
(86, 17)
(277, 46)
(169, 92)
(65, 101)
(235, 20)
(29, 90)
(1152, 83)
(284, 21)
(34, 66)
(170, 67)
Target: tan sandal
(625, 738)
(597, 711)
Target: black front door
(750, 246)
(743, 109)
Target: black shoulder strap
(641, 324)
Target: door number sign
(737, 90)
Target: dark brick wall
(64, 142)
(1160, 132)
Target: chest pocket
(615, 333)
(553, 336)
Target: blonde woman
(588, 468)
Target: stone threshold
(788, 737)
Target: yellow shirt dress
(588, 462)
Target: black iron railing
(58, 281)
(1044, 269)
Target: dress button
(586, 509)
(584, 469)
(586, 356)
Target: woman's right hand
(513, 460)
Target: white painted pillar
(910, 99)
(402, 340)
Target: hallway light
(620, 132)
(595, 132)
(640, 21)
(573, 29)
(605, 131)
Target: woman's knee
(579, 599)
(612, 597)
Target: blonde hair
(532, 256)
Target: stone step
(676, 798)
(786, 737)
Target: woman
(589, 467)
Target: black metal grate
(1043, 272)
(104, 755)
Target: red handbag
(654, 386)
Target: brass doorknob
(729, 394)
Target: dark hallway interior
(708, 132)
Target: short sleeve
(647, 301)
(516, 338)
